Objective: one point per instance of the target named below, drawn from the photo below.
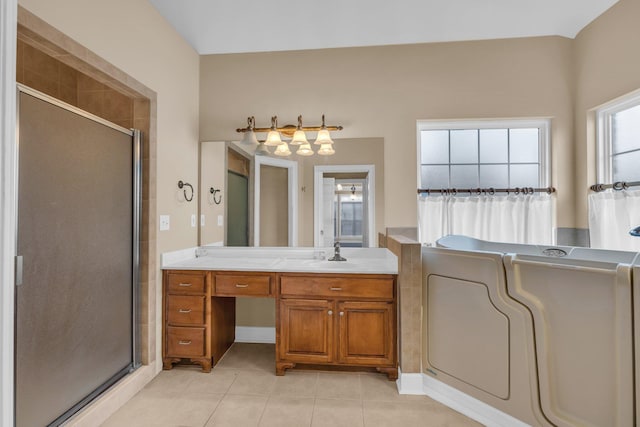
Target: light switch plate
(193, 220)
(165, 222)
(220, 220)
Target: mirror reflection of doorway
(237, 199)
(344, 200)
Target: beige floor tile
(237, 411)
(217, 381)
(296, 384)
(378, 387)
(428, 413)
(260, 357)
(160, 408)
(287, 411)
(338, 386)
(253, 383)
(337, 413)
(177, 379)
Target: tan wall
(213, 173)
(131, 35)
(382, 91)
(607, 66)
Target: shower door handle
(635, 232)
(19, 270)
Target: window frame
(544, 138)
(604, 136)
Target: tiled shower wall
(46, 74)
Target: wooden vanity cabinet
(343, 320)
(196, 326)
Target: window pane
(464, 176)
(435, 146)
(493, 146)
(496, 176)
(435, 176)
(626, 130)
(524, 176)
(464, 146)
(523, 145)
(626, 167)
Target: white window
(483, 154)
(619, 141)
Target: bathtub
(543, 334)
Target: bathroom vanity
(328, 313)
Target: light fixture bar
(289, 130)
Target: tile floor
(242, 390)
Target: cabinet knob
(330, 312)
(185, 311)
(342, 313)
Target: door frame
(292, 168)
(8, 203)
(318, 174)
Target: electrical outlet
(220, 221)
(202, 220)
(193, 220)
(165, 222)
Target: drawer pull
(342, 313)
(335, 289)
(182, 310)
(241, 285)
(330, 312)
(184, 342)
(185, 285)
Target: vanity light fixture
(297, 133)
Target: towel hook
(181, 185)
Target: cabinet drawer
(186, 310)
(329, 287)
(241, 285)
(186, 283)
(185, 342)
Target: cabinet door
(306, 330)
(366, 333)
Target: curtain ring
(618, 186)
(492, 191)
(478, 191)
(454, 191)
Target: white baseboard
(467, 405)
(410, 383)
(259, 334)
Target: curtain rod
(618, 186)
(485, 191)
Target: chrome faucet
(336, 255)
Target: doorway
(344, 205)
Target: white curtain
(611, 215)
(509, 218)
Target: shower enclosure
(78, 255)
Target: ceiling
(235, 26)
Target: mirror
(228, 199)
